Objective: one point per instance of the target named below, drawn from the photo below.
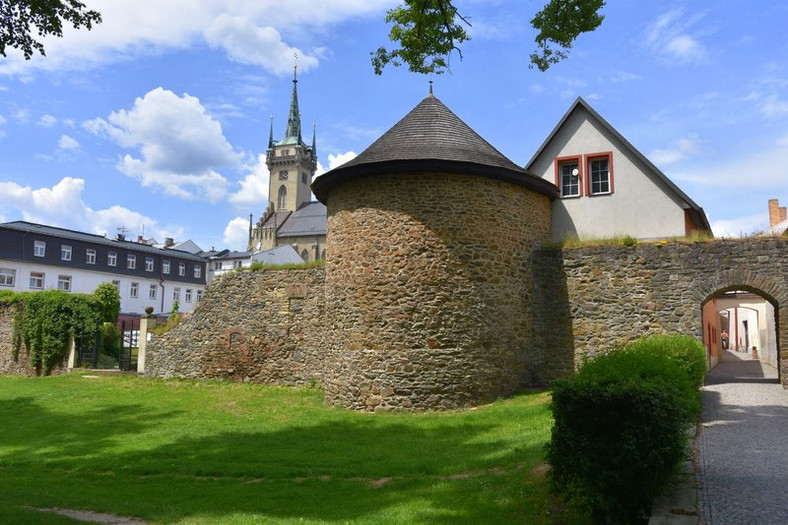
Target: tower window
(282, 198)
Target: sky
(157, 120)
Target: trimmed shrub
(620, 429)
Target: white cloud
(180, 145)
(253, 192)
(680, 150)
(740, 226)
(47, 121)
(236, 234)
(62, 205)
(247, 43)
(2, 120)
(66, 143)
(669, 38)
(132, 28)
(772, 106)
(756, 170)
(334, 161)
(22, 116)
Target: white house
(607, 187)
(38, 257)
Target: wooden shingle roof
(431, 139)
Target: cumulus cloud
(130, 28)
(740, 226)
(679, 150)
(62, 205)
(334, 161)
(253, 193)
(669, 38)
(181, 146)
(67, 143)
(236, 234)
(47, 121)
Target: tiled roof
(63, 233)
(309, 219)
(431, 138)
(284, 254)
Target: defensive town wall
(20, 364)
(271, 326)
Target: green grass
(210, 452)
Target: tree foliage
(108, 299)
(19, 18)
(428, 31)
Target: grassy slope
(197, 452)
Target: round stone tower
(428, 276)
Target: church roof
(431, 138)
(309, 219)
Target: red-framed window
(599, 173)
(569, 176)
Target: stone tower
(428, 274)
(291, 166)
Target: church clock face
(283, 175)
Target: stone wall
(21, 364)
(428, 290)
(263, 326)
(593, 298)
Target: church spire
(271, 134)
(293, 133)
(314, 142)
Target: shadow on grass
(355, 468)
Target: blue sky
(159, 117)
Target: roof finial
(430, 83)
(295, 67)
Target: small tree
(108, 299)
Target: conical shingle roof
(431, 138)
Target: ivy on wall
(43, 322)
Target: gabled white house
(607, 187)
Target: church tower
(291, 166)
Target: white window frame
(607, 156)
(564, 167)
(165, 267)
(197, 271)
(152, 292)
(39, 278)
(65, 252)
(182, 269)
(188, 295)
(134, 290)
(199, 295)
(176, 294)
(148, 264)
(112, 258)
(64, 283)
(90, 256)
(7, 277)
(131, 261)
(39, 248)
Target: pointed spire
(271, 134)
(294, 117)
(430, 86)
(314, 142)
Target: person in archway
(725, 339)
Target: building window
(568, 176)
(217, 266)
(116, 284)
(197, 271)
(37, 280)
(134, 291)
(600, 173)
(176, 294)
(131, 262)
(165, 267)
(182, 269)
(303, 177)
(152, 292)
(39, 248)
(7, 277)
(188, 295)
(112, 259)
(148, 264)
(65, 252)
(281, 201)
(305, 255)
(238, 264)
(64, 283)
(199, 295)
(90, 256)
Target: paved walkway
(743, 445)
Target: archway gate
(590, 299)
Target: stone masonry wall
(592, 298)
(259, 326)
(428, 290)
(21, 365)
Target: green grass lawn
(209, 452)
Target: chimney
(777, 213)
(139, 239)
(168, 242)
